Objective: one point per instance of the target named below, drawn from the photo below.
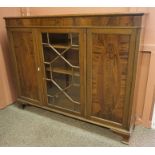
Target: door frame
(130, 75)
(82, 56)
(17, 82)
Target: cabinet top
(77, 20)
(79, 15)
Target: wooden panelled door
(109, 74)
(27, 70)
(63, 52)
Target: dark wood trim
(79, 27)
(79, 15)
(122, 20)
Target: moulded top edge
(79, 15)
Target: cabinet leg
(23, 105)
(125, 139)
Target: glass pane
(75, 40)
(61, 61)
(56, 38)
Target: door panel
(63, 62)
(25, 57)
(110, 53)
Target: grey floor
(37, 127)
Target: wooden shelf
(61, 46)
(63, 71)
(66, 46)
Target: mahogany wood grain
(111, 57)
(24, 51)
(107, 58)
(77, 20)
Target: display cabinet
(81, 66)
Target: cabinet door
(25, 56)
(63, 53)
(110, 58)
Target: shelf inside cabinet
(62, 46)
(63, 71)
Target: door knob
(38, 69)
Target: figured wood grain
(102, 20)
(109, 75)
(26, 64)
(107, 58)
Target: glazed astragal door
(64, 69)
(109, 74)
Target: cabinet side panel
(23, 45)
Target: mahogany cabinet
(82, 66)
